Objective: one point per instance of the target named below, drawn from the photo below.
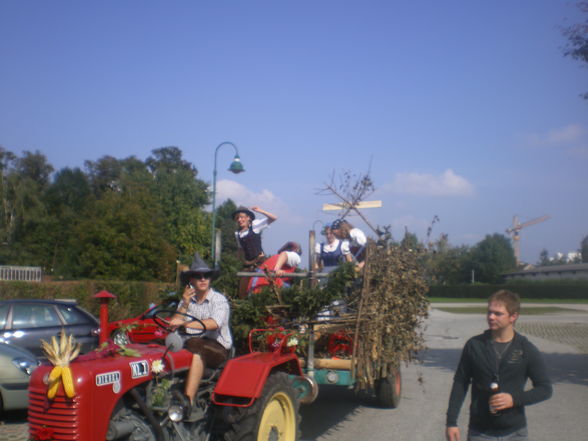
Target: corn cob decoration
(60, 354)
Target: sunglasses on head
(200, 276)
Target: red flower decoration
(44, 434)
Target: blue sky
(462, 109)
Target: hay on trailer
(392, 307)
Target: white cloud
(571, 139)
(564, 136)
(241, 195)
(412, 223)
(424, 184)
(579, 151)
(569, 134)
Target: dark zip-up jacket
(478, 366)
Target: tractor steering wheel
(161, 319)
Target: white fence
(25, 273)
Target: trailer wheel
(388, 390)
(273, 417)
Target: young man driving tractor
(211, 340)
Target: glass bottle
(494, 389)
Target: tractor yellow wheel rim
(278, 422)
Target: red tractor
(125, 393)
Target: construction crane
(515, 233)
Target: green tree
(24, 215)
(181, 197)
(446, 264)
(120, 238)
(228, 281)
(544, 258)
(410, 241)
(225, 222)
(492, 257)
(577, 36)
(7, 206)
(104, 174)
(584, 249)
(122, 234)
(68, 197)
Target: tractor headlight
(175, 413)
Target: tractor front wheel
(273, 417)
(128, 425)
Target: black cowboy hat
(198, 266)
(245, 210)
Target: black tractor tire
(273, 417)
(389, 389)
(141, 431)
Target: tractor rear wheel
(388, 390)
(273, 417)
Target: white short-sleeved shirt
(216, 307)
(293, 259)
(358, 238)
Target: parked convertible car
(141, 329)
(25, 323)
(16, 366)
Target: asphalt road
(340, 415)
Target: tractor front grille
(59, 416)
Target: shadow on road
(333, 405)
(562, 368)
(441, 358)
(567, 368)
(13, 417)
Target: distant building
(551, 272)
(572, 256)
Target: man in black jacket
(498, 363)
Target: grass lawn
(529, 310)
(523, 301)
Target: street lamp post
(235, 167)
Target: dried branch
(351, 191)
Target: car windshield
(30, 315)
(3, 314)
(170, 306)
(73, 316)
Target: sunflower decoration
(60, 354)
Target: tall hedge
(576, 290)
(132, 297)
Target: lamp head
(236, 166)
